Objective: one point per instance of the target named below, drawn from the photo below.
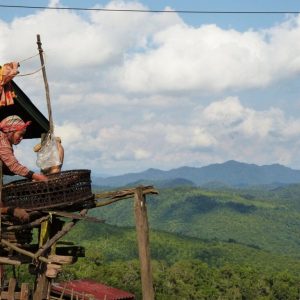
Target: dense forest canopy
(205, 244)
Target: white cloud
(209, 58)
(141, 153)
(209, 136)
(230, 114)
(146, 53)
(69, 132)
(131, 91)
(227, 111)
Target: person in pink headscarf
(12, 131)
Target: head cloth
(13, 123)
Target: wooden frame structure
(44, 258)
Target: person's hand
(21, 214)
(39, 177)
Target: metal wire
(150, 10)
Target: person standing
(12, 131)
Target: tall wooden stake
(142, 228)
(39, 43)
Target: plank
(11, 288)
(24, 295)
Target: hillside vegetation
(221, 243)
(267, 220)
(183, 268)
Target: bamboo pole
(28, 225)
(39, 43)
(122, 194)
(22, 251)
(8, 261)
(142, 229)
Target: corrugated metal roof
(24, 108)
(86, 288)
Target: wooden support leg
(24, 295)
(2, 272)
(142, 229)
(49, 235)
(42, 282)
(11, 289)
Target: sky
(132, 91)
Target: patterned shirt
(8, 158)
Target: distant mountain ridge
(232, 173)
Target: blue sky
(135, 91)
(244, 21)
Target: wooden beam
(28, 225)
(22, 251)
(8, 261)
(122, 194)
(75, 216)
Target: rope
(27, 74)
(31, 73)
(29, 57)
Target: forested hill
(268, 220)
(183, 268)
(231, 173)
(210, 244)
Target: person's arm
(8, 158)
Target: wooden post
(11, 288)
(39, 43)
(42, 282)
(24, 295)
(142, 229)
(41, 285)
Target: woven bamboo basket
(67, 190)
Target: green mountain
(230, 173)
(264, 219)
(183, 268)
(226, 243)
(103, 241)
(167, 183)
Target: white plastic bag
(48, 155)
